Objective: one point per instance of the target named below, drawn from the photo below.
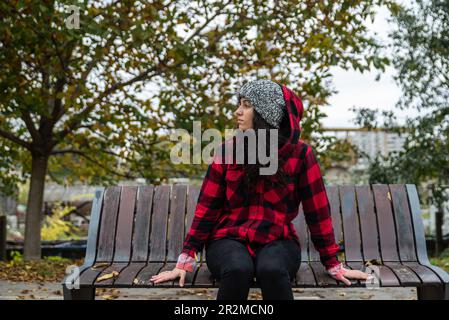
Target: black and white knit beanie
(267, 98)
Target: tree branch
(144, 75)
(84, 155)
(30, 126)
(15, 139)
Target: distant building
(372, 143)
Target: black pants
(274, 267)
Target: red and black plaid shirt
(224, 209)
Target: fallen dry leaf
(113, 274)
(100, 265)
(372, 262)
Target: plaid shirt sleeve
(316, 209)
(208, 209)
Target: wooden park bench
(137, 232)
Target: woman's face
(244, 114)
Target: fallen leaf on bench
(372, 262)
(100, 265)
(108, 276)
(389, 196)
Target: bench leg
(433, 292)
(79, 294)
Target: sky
(362, 90)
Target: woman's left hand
(341, 273)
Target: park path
(52, 290)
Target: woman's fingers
(357, 274)
(163, 276)
(182, 279)
(346, 281)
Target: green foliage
(56, 228)
(81, 94)
(16, 256)
(421, 56)
(442, 260)
(98, 103)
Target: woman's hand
(342, 274)
(170, 275)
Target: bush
(56, 228)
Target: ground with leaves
(10, 290)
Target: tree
(421, 57)
(94, 102)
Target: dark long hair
(251, 170)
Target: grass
(442, 260)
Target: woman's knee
(271, 271)
(238, 270)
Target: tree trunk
(33, 219)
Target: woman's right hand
(170, 275)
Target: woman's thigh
(227, 255)
(281, 254)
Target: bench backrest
(149, 223)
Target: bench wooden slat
(129, 273)
(351, 229)
(89, 275)
(313, 253)
(305, 276)
(192, 199)
(159, 218)
(204, 277)
(124, 233)
(334, 202)
(176, 221)
(106, 242)
(403, 222)
(423, 272)
(140, 236)
(301, 229)
(406, 276)
(142, 223)
(117, 267)
(368, 223)
(387, 233)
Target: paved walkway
(52, 290)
